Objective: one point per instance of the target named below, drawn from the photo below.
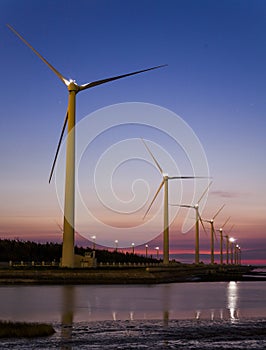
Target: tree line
(27, 251)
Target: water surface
(212, 300)
(141, 316)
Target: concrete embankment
(123, 275)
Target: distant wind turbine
(211, 222)
(227, 244)
(198, 218)
(70, 119)
(221, 240)
(164, 184)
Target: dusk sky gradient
(215, 81)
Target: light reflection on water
(67, 304)
(232, 297)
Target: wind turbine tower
(221, 240)
(197, 219)
(164, 184)
(228, 244)
(70, 120)
(211, 222)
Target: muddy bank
(150, 334)
(124, 275)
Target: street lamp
(93, 240)
(157, 248)
(116, 245)
(232, 240)
(239, 255)
(236, 254)
(133, 247)
(146, 247)
(221, 246)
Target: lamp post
(236, 254)
(133, 248)
(232, 240)
(157, 254)
(146, 250)
(221, 246)
(93, 242)
(116, 245)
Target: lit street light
(146, 247)
(93, 240)
(157, 249)
(133, 247)
(116, 245)
(237, 254)
(232, 240)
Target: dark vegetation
(24, 330)
(27, 251)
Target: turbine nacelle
(73, 86)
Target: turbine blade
(107, 80)
(155, 196)
(58, 146)
(218, 212)
(185, 177)
(60, 227)
(155, 160)
(226, 221)
(201, 221)
(231, 229)
(60, 76)
(181, 205)
(215, 236)
(203, 194)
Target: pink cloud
(226, 194)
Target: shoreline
(128, 275)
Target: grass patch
(24, 330)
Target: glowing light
(232, 300)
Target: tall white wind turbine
(221, 240)
(70, 119)
(211, 222)
(164, 184)
(198, 218)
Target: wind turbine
(198, 218)
(221, 240)
(211, 222)
(70, 119)
(164, 184)
(227, 244)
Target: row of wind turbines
(69, 202)
(230, 245)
